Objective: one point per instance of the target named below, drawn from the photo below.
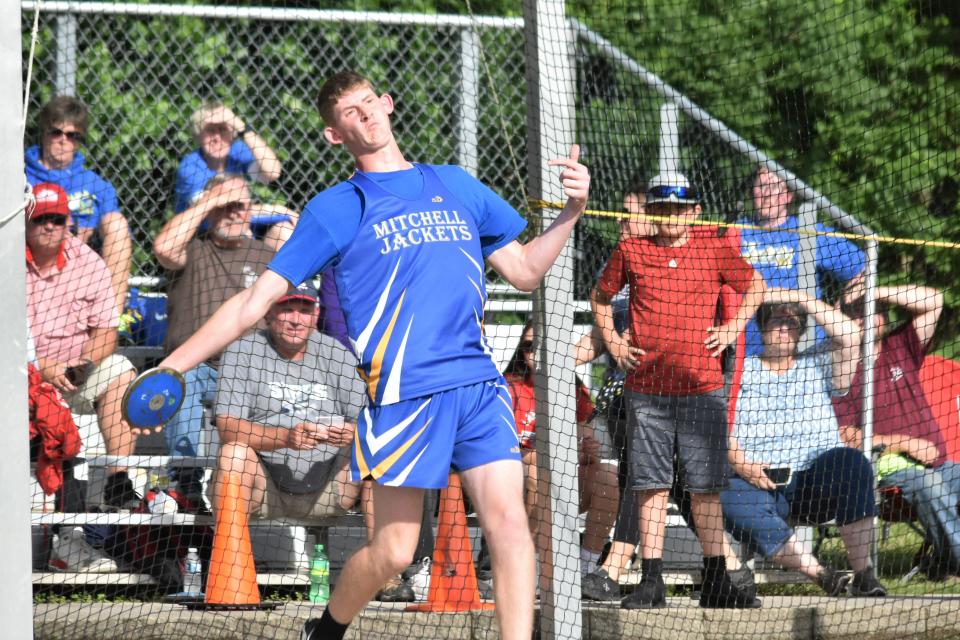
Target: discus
(153, 398)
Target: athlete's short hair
(335, 88)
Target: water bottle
(192, 573)
(319, 576)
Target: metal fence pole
(469, 99)
(65, 77)
(16, 590)
(807, 263)
(869, 359)
(669, 160)
(550, 72)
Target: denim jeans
(838, 485)
(934, 494)
(183, 431)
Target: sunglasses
(52, 218)
(783, 321)
(72, 136)
(665, 191)
(525, 346)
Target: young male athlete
(408, 244)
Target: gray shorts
(691, 428)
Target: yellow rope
(543, 204)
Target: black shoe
(118, 492)
(719, 590)
(311, 629)
(651, 593)
(396, 590)
(599, 586)
(866, 585)
(743, 580)
(832, 582)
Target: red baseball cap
(51, 199)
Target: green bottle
(319, 576)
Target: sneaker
(651, 593)
(598, 585)
(118, 492)
(720, 592)
(71, 552)
(743, 580)
(485, 584)
(832, 581)
(866, 585)
(396, 590)
(311, 629)
(419, 579)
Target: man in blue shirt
(774, 250)
(93, 201)
(227, 144)
(408, 243)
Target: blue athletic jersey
(90, 196)
(193, 173)
(409, 249)
(775, 253)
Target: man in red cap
(73, 320)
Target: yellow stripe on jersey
(388, 462)
(358, 454)
(376, 364)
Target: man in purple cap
(287, 403)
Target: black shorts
(694, 428)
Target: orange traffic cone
(233, 577)
(453, 580)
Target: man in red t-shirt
(674, 386)
(599, 489)
(914, 452)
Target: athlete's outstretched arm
(229, 322)
(524, 265)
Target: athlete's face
(361, 121)
(291, 322)
(636, 226)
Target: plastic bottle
(319, 576)
(192, 573)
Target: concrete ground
(794, 618)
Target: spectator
(73, 321)
(671, 356)
(209, 268)
(785, 426)
(227, 144)
(93, 200)
(774, 249)
(914, 451)
(597, 479)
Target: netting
(740, 365)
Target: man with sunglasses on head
(73, 321)
(228, 144)
(675, 397)
(207, 269)
(774, 248)
(93, 200)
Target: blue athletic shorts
(414, 443)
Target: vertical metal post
(807, 263)
(16, 589)
(65, 77)
(669, 160)
(550, 124)
(469, 98)
(869, 359)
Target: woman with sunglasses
(599, 490)
(786, 452)
(93, 200)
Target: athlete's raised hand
(574, 177)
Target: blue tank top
(413, 287)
